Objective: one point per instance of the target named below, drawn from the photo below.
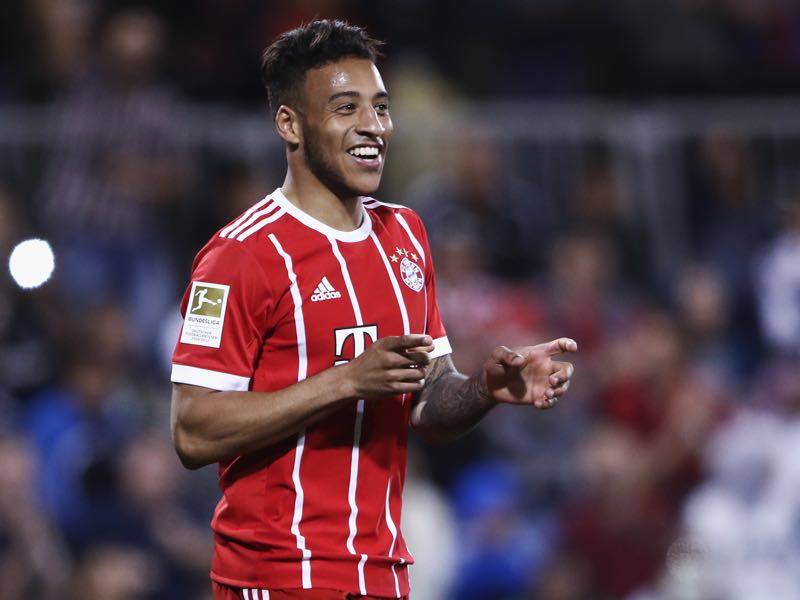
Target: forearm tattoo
(452, 402)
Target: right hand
(393, 365)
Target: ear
(287, 122)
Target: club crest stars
(402, 252)
(409, 269)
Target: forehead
(347, 75)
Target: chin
(365, 187)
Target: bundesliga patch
(409, 269)
(205, 314)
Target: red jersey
(277, 296)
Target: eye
(382, 108)
(349, 107)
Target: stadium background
(622, 172)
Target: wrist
(481, 386)
(343, 385)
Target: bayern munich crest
(409, 269)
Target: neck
(314, 198)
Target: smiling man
(322, 346)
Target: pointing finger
(410, 342)
(561, 345)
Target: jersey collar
(356, 235)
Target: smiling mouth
(367, 156)
(365, 152)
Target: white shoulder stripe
(268, 208)
(372, 203)
(244, 217)
(261, 224)
(216, 380)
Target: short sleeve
(225, 310)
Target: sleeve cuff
(441, 346)
(224, 382)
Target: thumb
(504, 357)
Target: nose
(370, 122)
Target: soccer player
(317, 342)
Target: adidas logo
(324, 291)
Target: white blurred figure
(777, 285)
(429, 529)
(744, 519)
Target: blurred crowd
(668, 474)
(520, 47)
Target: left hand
(529, 375)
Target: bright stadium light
(31, 263)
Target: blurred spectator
(618, 530)
(502, 547)
(596, 205)
(108, 195)
(481, 198)
(586, 300)
(79, 428)
(155, 518)
(34, 562)
(652, 387)
(725, 216)
(65, 32)
(727, 224)
(703, 309)
(42, 42)
(641, 460)
(114, 572)
(777, 283)
(563, 578)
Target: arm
(451, 404)
(209, 425)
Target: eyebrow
(353, 94)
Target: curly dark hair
(285, 62)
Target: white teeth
(366, 151)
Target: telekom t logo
(359, 335)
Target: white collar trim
(356, 235)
